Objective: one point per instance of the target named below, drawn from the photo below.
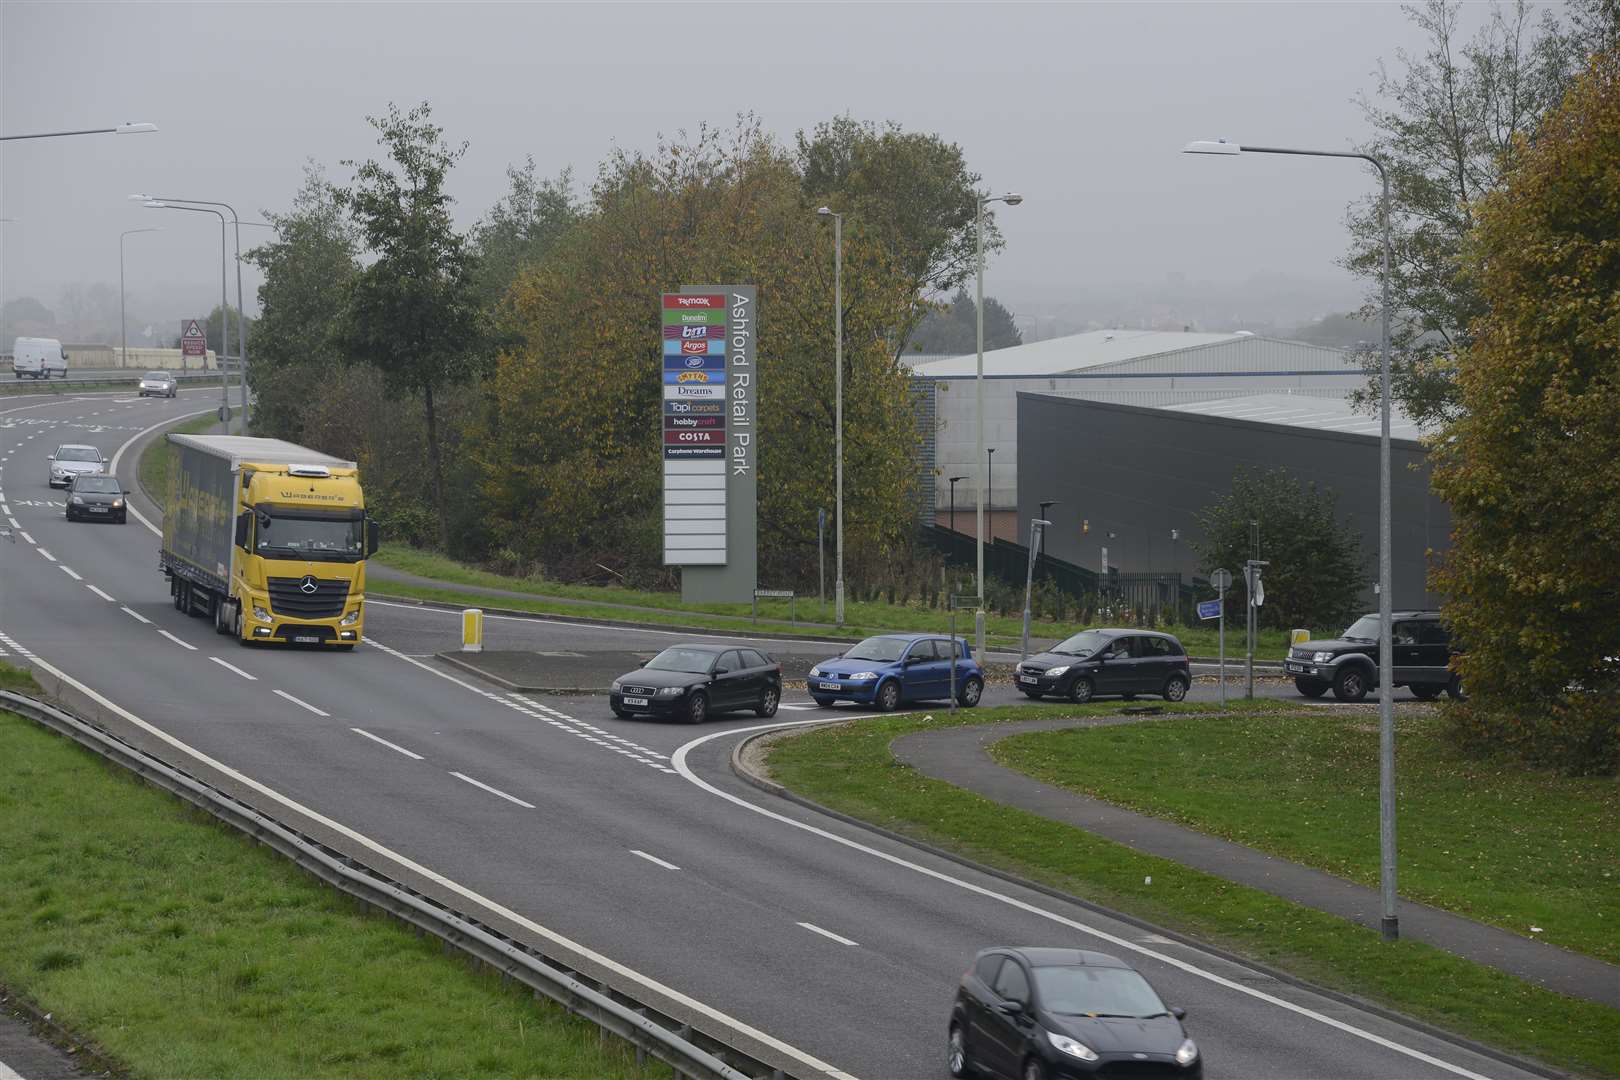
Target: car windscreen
(1363, 629)
(884, 649)
(77, 453)
(101, 484)
(1096, 991)
(160, 376)
(309, 537)
(1084, 643)
(696, 661)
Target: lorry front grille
(289, 597)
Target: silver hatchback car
(74, 459)
(158, 384)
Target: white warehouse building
(1129, 367)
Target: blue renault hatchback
(885, 670)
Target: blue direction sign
(1209, 609)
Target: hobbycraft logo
(693, 377)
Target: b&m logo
(691, 347)
(694, 361)
(693, 376)
(694, 331)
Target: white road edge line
(6, 1072)
(559, 940)
(69, 571)
(177, 641)
(137, 616)
(385, 742)
(300, 704)
(679, 760)
(99, 593)
(493, 791)
(654, 859)
(814, 929)
(117, 455)
(233, 667)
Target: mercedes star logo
(308, 585)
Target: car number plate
(1291, 666)
(828, 686)
(635, 701)
(98, 509)
(306, 639)
(1028, 679)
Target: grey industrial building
(1142, 473)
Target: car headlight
(859, 675)
(616, 686)
(1321, 657)
(352, 617)
(1074, 1048)
(815, 671)
(1187, 1053)
(670, 691)
(77, 500)
(260, 614)
(118, 504)
(1055, 672)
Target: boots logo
(694, 361)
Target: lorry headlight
(352, 617)
(260, 614)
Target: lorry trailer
(268, 539)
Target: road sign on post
(1257, 596)
(193, 342)
(1222, 580)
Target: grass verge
(180, 949)
(1502, 844)
(860, 616)
(17, 679)
(153, 468)
(849, 768)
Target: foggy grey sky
(1080, 107)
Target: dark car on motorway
(885, 670)
(688, 682)
(92, 498)
(1420, 654)
(158, 383)
(1103, 663)
(1056, 1014)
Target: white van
(38, 358)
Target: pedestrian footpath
(960, 757)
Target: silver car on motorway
(158, 383)
(74, 459)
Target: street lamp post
(241, 312)
(1389, 923)
(1011, 199)
(838, 407)
(1037, 526)
(990, 488)
(224, 305)
(121, 129)
(953, 480)
(123, 320)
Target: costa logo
(693, 376)
(694, 347)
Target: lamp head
(1211, 146)
(155, 204)
(134, 129)
(825, 211)
(1012, 198)
(139, 198)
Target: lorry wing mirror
(373, 536)
(242, 521)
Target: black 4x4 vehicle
(1348, 664)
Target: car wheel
(971, 690)
(1175, 687)
(1350, 684)
(956, 1057)
(822, 702)
(768, 703)
(1425, 691)
(1081, 691)
(697, 707)
(888, 697)
(1454, 689)
(1312, 688)
(1034, 1070)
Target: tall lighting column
(838, 407)
(224, 306)
(1389, 922)
(1011, 199)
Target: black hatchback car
(1054, 1014)
(1094, 663)
(92, 497)
(1420, 655)
(688, 682)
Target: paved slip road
(629, 846)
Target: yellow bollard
(1297, 636)
(472, 630)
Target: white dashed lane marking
(814, 929)
(69, 571)
(99, 593)
(300, 704)
(232, 667)
(385, 742)
(177, 641)
(654, 859)
(137, 616)
(493, 791)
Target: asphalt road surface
(628, 846)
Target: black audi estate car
(688, 682)
(1061, 1014)
(1095, 663)
(1348, 664)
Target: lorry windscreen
(307, 536)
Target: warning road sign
(193, 342)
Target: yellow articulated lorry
(268, 539)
